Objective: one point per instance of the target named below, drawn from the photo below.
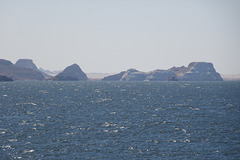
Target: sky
(110, 36)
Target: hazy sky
(115, 35)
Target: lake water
(120, 120)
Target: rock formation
(135, 75)
(5, 79)
(115, 77)
(16, 73)
(26, 63)
(161, 75)
(197, 71)
(71, 73)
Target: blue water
(120, 120)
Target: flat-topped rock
(197, 71)
(26, 63)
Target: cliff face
(71, 73)
(135, 75)
(197, 71)
(16, 73)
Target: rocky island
(25, 69)
(14, 72)
(71, 73)
(196, 71)
(135, 75)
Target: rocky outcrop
(197, 71)
(161, 75)
(26, 63)
(115, 77)
(10, 70)
(135, 75)
(71, 73)
(5, 79)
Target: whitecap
(28, 112)
(29, 151)
(7, 147)
(106, 124)
(194, 109)
(12, 140)
(130, 148)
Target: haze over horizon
(111, 36)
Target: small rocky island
(71, 73)
(196, 71)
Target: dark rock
(5, 79)
(16, 73)
(172, 78)
(71, 73)
(48, 72)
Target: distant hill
(51, 73)
(71, 73)
(14, 72)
